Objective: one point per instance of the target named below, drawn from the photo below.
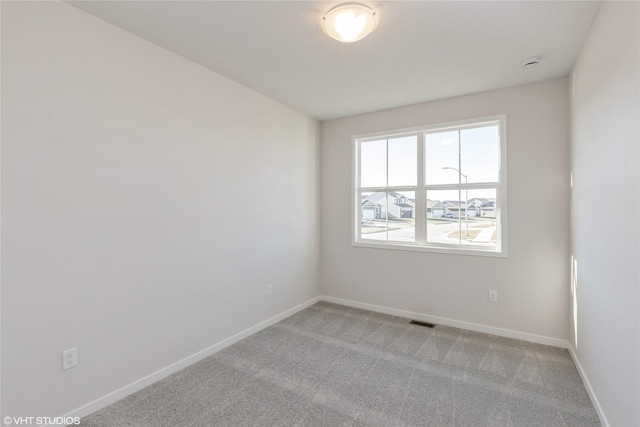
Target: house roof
(454, 202)
(375, 198)
(483, 201)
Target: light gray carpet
(331, 365)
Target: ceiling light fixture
(349, 22)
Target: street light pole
(466, 196)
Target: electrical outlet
(269, 289)
(493, 296)
(70, 358)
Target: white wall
(146, 203)
(605, 129)
(532, 283)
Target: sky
(395, 159)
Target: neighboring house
(378, 205)
(477, 207)
(457, 208)
(435, 209)
(482, 207)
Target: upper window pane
(441, 154)
(373, 163)
(480, 154)
(403, 161)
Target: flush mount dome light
(349, 22)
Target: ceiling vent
(530, 62)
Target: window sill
(464, 250)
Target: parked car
(448, 215)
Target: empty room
(320, 213)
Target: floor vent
(425, 324)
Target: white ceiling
(421, 50)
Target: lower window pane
(443, 216)
(388, 216)
(467, 217)
(401, 219)
(482, 218)
(373, 219)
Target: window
(439, 188)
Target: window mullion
(460, 187)
(420, 195)
(386, 213)
(356, 207)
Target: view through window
(440, 187)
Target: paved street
(437, 231)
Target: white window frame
(421, 245)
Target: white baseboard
(587, 385)
(181, 364)
(539, 339)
